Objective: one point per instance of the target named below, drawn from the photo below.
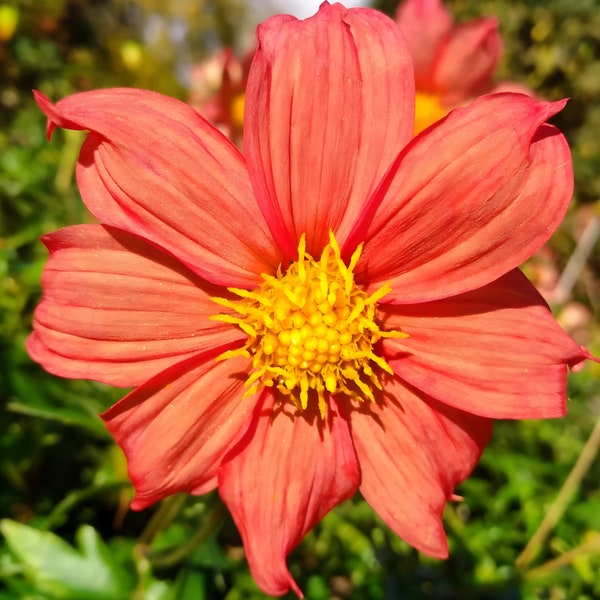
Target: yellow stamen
(311, 330)
(428, 110)
(237, 109)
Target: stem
(60, 512)
(68, 160)
(167, 511)
(577, 261)
(558, 507)
(589, 547)
(177, 554)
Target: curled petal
(412, 452)
(470, 199)
(320, 132)
(496, 352)
(118, 310)
(151, 165)
(285, 475)
(176, 428)
(425, 25)
(467, 60)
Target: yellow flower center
(428, 110)
(237, 110)
(311, 330)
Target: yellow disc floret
(428, 110)
(311, 330)
(236, 110)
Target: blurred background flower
(217, 89)
(454, 63)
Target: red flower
(218, 86)
(340, 310)
(453, 63)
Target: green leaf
(161, 590)
(64, 415)
(64, 572)
(190, 583)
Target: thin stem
(177, 554)
(59, 513)
(577, 260)
(68, 160)
(589, 547)
(558, 507)
(167, 511)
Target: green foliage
(67, 530)
(53, 567)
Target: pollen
(311, 331)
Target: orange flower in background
(453, 63)
(338, 310)
(217, 90)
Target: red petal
(117, 310)
(412, 452)
(152, 166)
(330, 103)
(176, 428)
(469, 200)
(467, 61)
(425, 24)
(285, 476)
(496, 351)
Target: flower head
(339, 310)
(218, 87)
(453, 63)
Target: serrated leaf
(55, 567)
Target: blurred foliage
(68, 533)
